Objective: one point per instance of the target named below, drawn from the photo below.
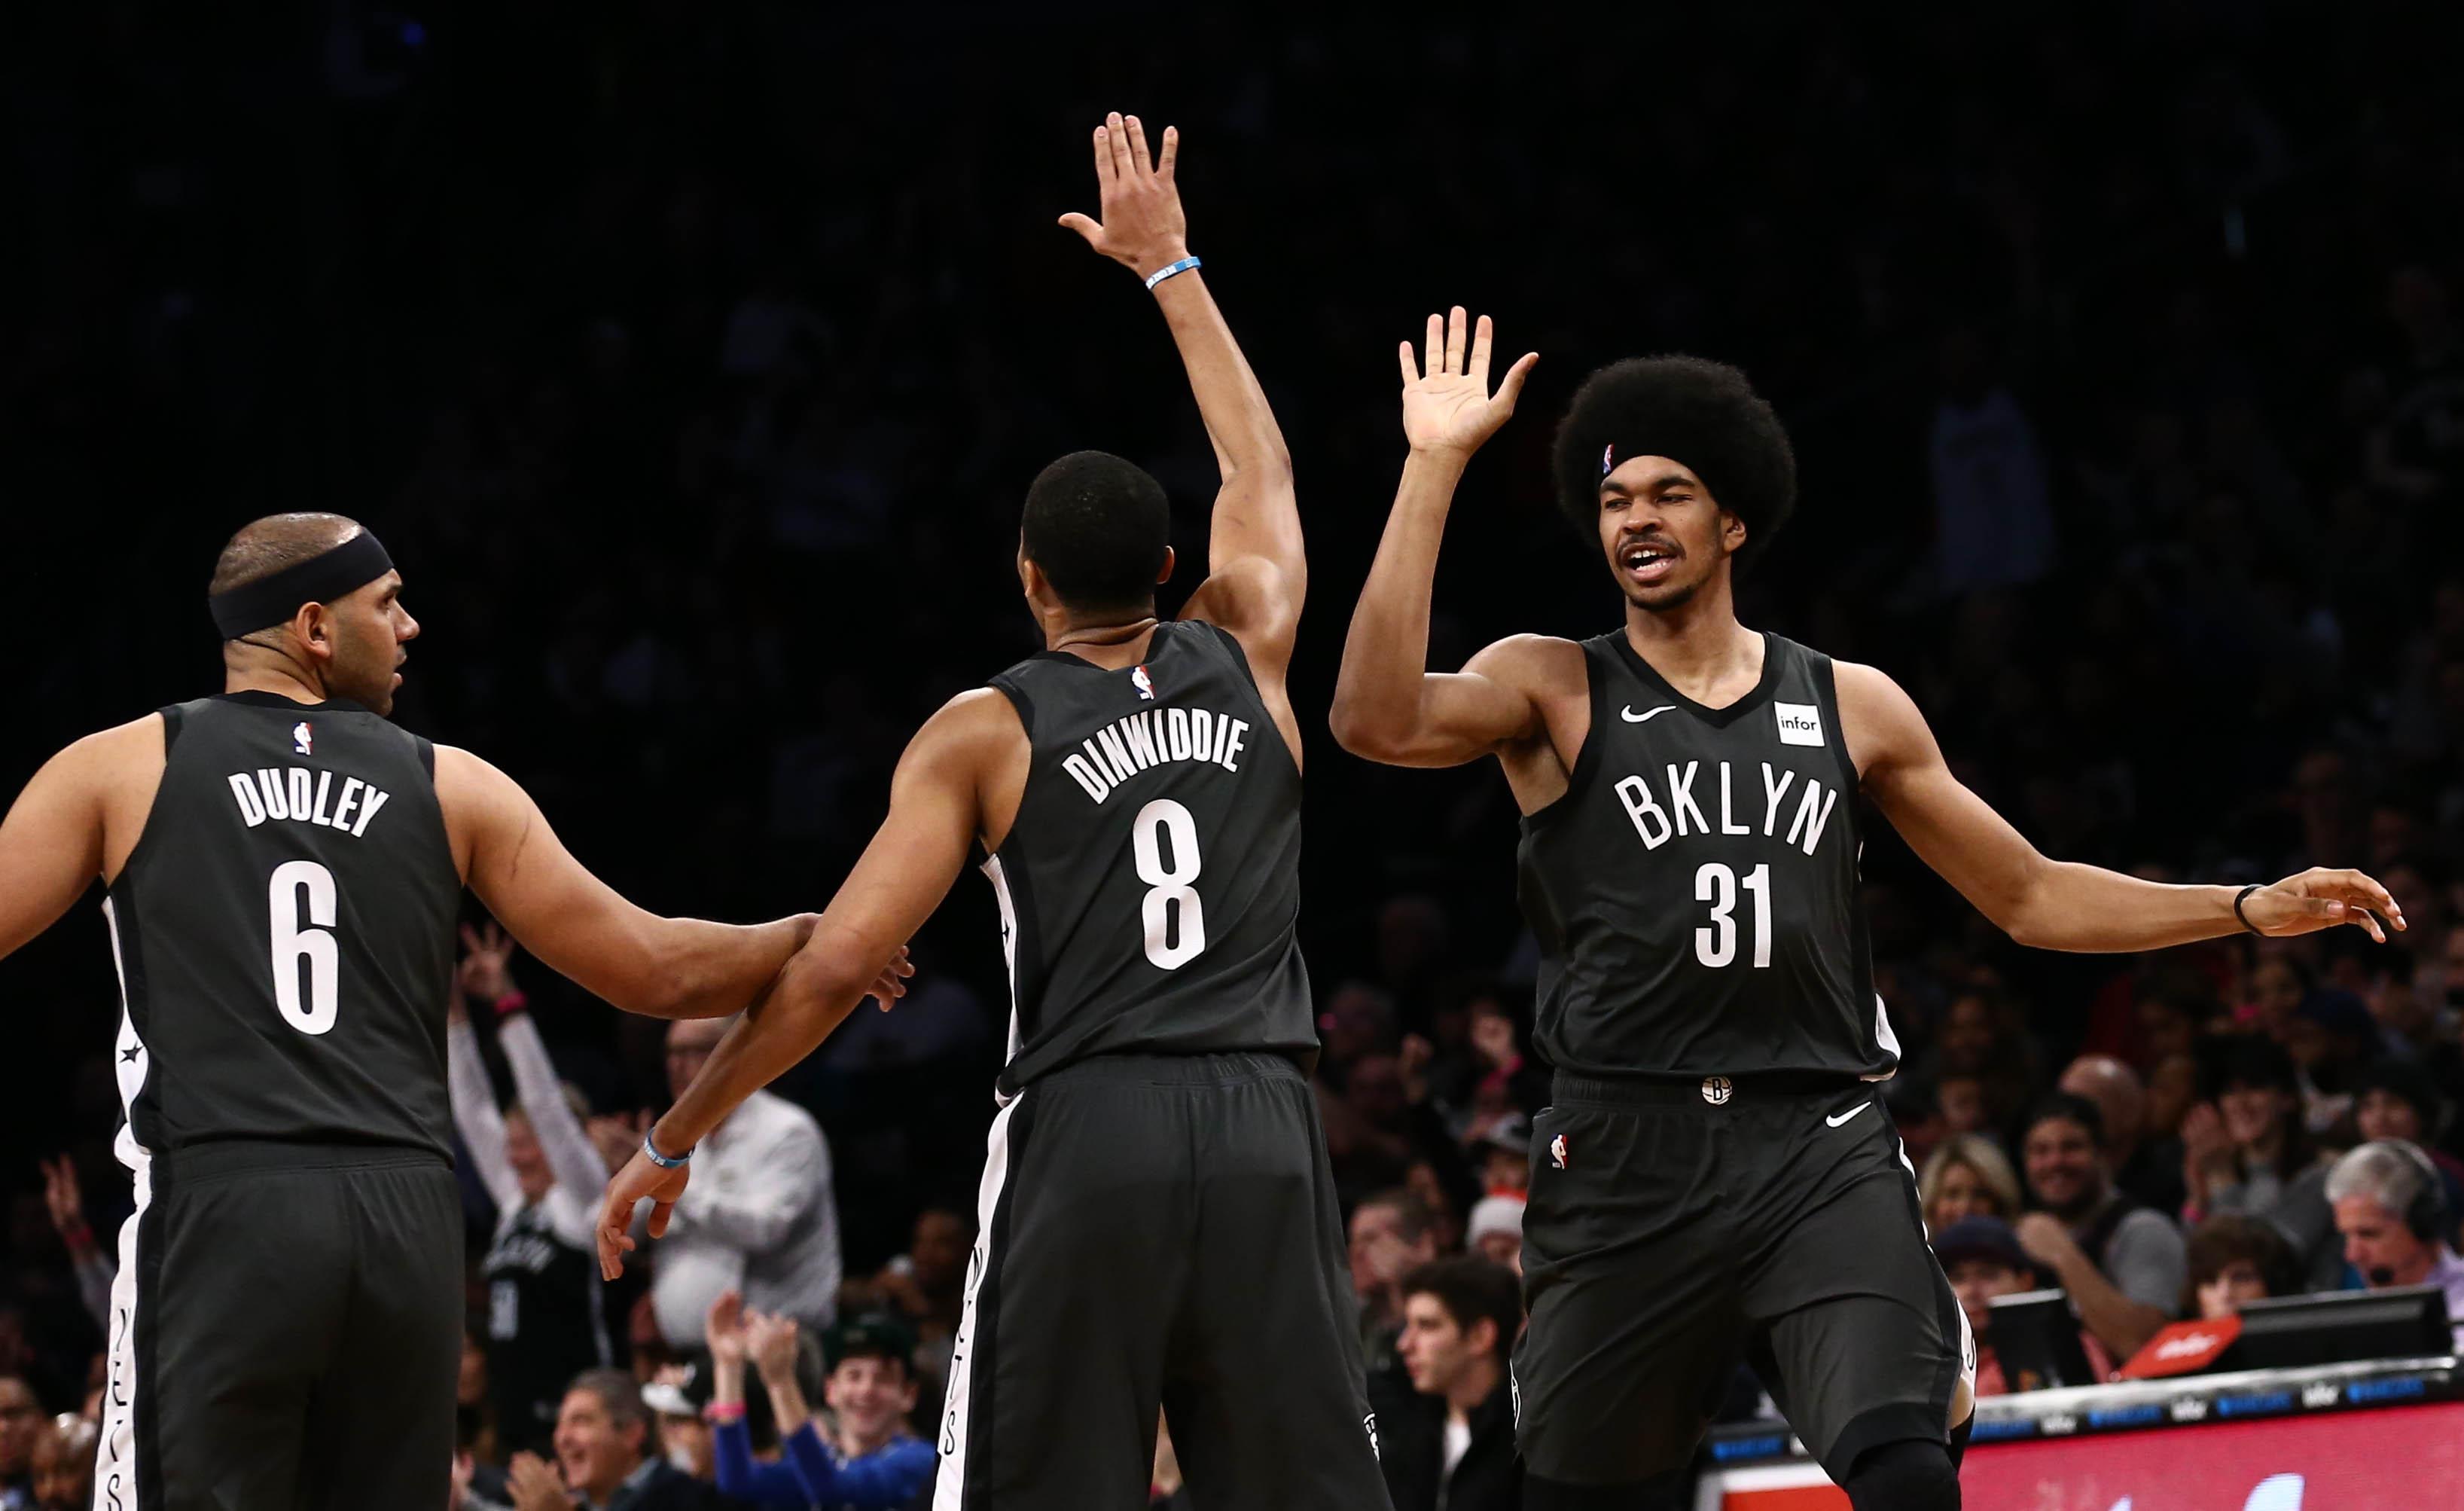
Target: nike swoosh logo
(1632, 718)
(1850, 1113)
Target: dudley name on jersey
(285, 932)
(1150, 887)
(1694, 891)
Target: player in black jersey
(1159, 1220)
(284, 868)
(1714, 1180)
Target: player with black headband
(283, 870)
(1716, 1180)
(1158, 1222)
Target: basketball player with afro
(1716, 1179)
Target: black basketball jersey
(544, 1321)
(284, 931)
(1694, 891)
(1150, 887)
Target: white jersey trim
(114, 1470)
(1009, 959)
(950, 1480)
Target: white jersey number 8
(293, 944)
(1168, 945)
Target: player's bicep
(914, 857)
(575, 923)
(1463, 716)
(1958, 834)
(50, 845)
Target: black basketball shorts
(1159, 1233)
(285, 1330)
(1675, 1229)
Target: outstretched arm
(1387, 707)
(577, 925)
(2057, 905)
(935, 812)
(1257, 571)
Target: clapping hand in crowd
(535, 1485)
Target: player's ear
(1165, 575)
(1732, 530)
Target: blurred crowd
(693, 365)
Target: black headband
(272, 599)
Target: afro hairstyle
(1097, 526)
(1702, 414)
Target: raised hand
(1449, 407)
(1141, 227)
(771, 1341)
(61, 1196)
(2321, 897)
(484, 975)
(725, 1329)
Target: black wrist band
(2238, 899)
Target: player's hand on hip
(2322, 898)
(1139, 223)
(1447, 407)
(639, 1181)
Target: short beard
(1665, 599)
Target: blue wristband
(661, 1159)
(1161, 274)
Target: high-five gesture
(1451, 408)
(1142, 227)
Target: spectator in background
(603, 1436)
(1501, 1153)
(93, 1268)
(1449, 1446)
(545, 1322)
(759, 1217)
(2246, 1151)
(2397, 1100)
(1967, 1175)
(1390, 1237)
(677, 1398)
(63, 1464)
(2148, 1172)
(2396, 1223)
(876, 1463)
(1963, 1103)
(1982, 1258)
(926, 1288)
(21, 1423)
(2331, 1037)
(2122, 1263)
(1496, 1230)
(2236, 1259)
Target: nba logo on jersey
(1144, 683)
(303, 738)
(1557, 1151)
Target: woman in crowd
(544, 1319)
(2236, 1260)
(1967, 1175)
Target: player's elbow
(1361, 731)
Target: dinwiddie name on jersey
(307, 797)
(1127, 747)
(1675, 811)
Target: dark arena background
(693, 361)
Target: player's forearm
(1238, 419)
(816, 991)
(710, 970)
(2090, 910)
(1377, 693)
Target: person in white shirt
(2392, 1211)
(759, 1217)
(546, 1322)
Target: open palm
(1451, 408)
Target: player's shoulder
(1533, 663)
(109, 753)
(1869, 691)
(975, 724)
